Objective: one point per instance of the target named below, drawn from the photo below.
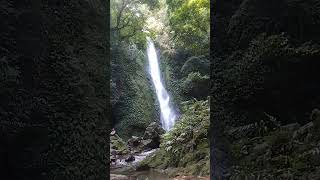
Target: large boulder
(154, 130)
(134, 142)
(152, 136)
(150, 139)
(130, 158)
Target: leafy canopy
(190, 24)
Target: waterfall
(168, 116)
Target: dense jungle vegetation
(54, 90)
(180, 30)
(265, 89)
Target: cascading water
(168, 116)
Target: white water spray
(168, 116)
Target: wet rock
(149, 144)
(150, 139)
(113, 152)
(118, 177)
(153, 131)
(113, 159)
(152, 136)
(135, 144)
(130, 158)
(134, 141)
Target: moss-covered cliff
(133, 99)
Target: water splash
(168, 116)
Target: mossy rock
(118, 144)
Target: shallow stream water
(124, 168)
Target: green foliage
(171, 63)
(196, 85)
(132, 94)
(264, 61)
(127, 21)
(258, 74)
(186, 146)
(54, 90)
(196, 64)
(189, 21)
(79, 109)
(153, 4)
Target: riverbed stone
(150, 139)
(152, 136)
(134, 141)
(147, 142)
(154, 130)
(130, 158)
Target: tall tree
(189, 21)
